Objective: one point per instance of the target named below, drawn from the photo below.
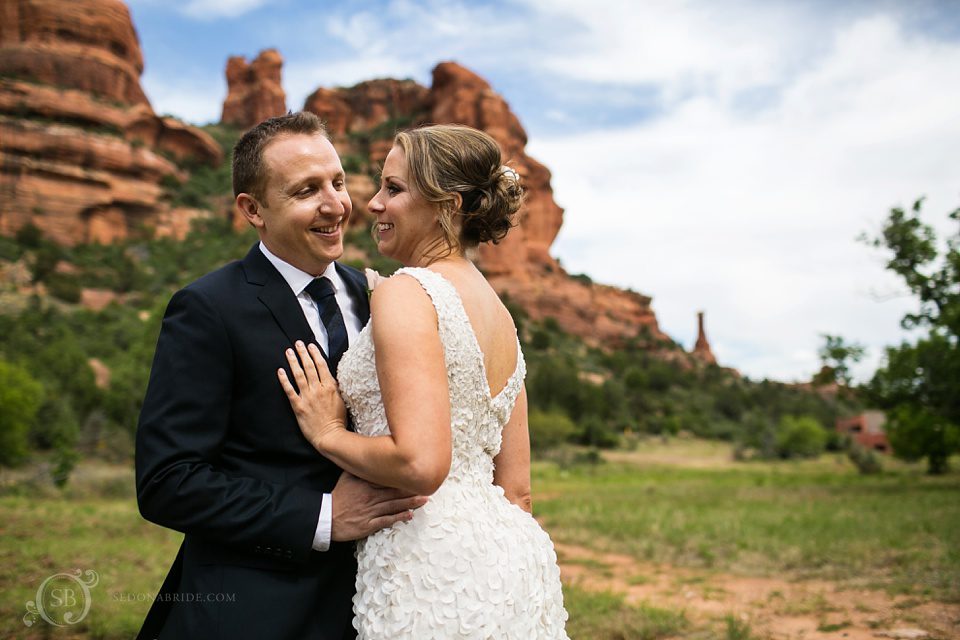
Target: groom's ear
(250, 208)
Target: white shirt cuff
(321, 539)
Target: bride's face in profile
(406, 223)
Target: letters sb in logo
(63, 599)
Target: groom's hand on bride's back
(361, 508)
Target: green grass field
(899, 531)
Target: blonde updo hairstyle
(446, 160)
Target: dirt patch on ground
(773, 607)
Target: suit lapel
(275, 294)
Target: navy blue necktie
(321, 290)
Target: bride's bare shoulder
(401, 299)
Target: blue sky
(715, 155)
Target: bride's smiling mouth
(384, 226)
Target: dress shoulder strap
(444, 297)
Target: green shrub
(800, 437)
(20, 397)
(540, 339)
(10, 249)
(595, 432)
(29, 236)
(549, 429)
(64, 287)
(866, 460)
(45, 259)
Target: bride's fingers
(287, 387)
(297, 370)
(323, 371)
(309, 368)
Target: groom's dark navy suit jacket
(220, 457)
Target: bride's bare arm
(413, 382)
(512, 465)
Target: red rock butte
(82, 154)
(254, 92)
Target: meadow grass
(899, 530)
(604, 616)
(46, 533)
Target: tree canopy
(919, 383)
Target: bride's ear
(457, 201)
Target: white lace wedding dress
(469, 564)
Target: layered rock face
(254, 92)
(459, 95)
(83, 44)
(362, 120)
(82, 154)
(369, 106)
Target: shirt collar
(297, 278)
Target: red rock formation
(254, 92)
(369, 105)
(601, 315)
(701, 350)
(459, 95)
(88, 45)
(333, 108)
(79, 144)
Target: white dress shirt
(298, 281)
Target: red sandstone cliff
(81, 150)
(254, 92)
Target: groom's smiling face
(303, 211)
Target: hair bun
(489, 211)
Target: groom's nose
(334, 202)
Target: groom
(219, 456)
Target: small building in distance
(866, 430)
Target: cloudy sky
(716, 155)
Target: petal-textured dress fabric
(469, 564)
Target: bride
(434, 386)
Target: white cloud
(683, 47)
(753, 216)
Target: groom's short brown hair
(249, 172)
